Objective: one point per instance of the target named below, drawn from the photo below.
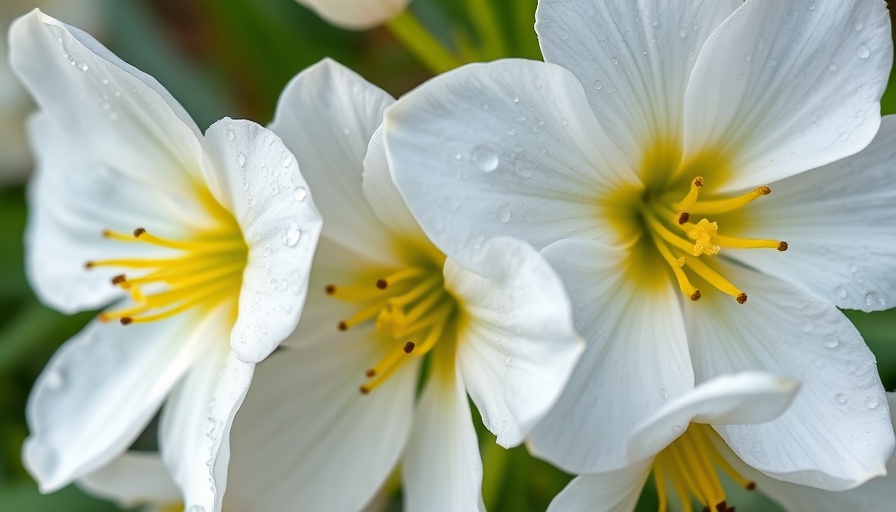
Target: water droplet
(615, 62)
(760, 43)
(105, 81)
(266, 251)
(757, 447)
(664, 395)
(81, 65)
(859, 25)
(285, 159)
(54, 380)
(841, 398)
(508, 361)
(230, 134)
(840, 290)
(511, 132)
(299, 194)
(291, 235)
(806, 326)
(346, 131)
(832, 341)
(504, 213)
(564, 36)
(863, 52)
(484, 158)
(832, 67)
(516, 99)
(240, 158)
(598, 85)
(874, 301)
(871, 402)
(683, 32)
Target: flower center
(203, 271)
(690, 465)
(409, 306)
(681, 242)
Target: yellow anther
(691, 197)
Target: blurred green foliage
(232, 58)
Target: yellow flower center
(690, 466)
(202, 272)
(661, 216)
(408, 305)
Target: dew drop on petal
(82, 66)
(230, 134)
(683, 32)
(859, 25)
(833, 66)
(291, 235)
(285, 159)
(863, 52)
(484, 158)
(841, 398)
(240, 158)
(504, 213)
(299, 194)
(757, 447)
(806, 326)
(598, 85)
(873, 300)
(871, 402)
(831, 341)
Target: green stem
(414, 36)
(494, 465)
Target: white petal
(837, 433)
(519, 345)
(117, 114)
(184, 422)
(98, 393)
(381, 194)
(509, 148)
(838, 222)
(132, 479)
(877, 494)
(307, 435)
(326, 116)
(442, 469)
(255, 178)
(73, 199)
(357, 14)
(743, 398)
(634, 59)
(614, 491)
(788, 85)
(637, 358)
(229, 394)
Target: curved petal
(637, 358)
(518, 345)
(613, 491)
(509, 148)
(837, 433)
(184, 422)
(877, 494)
(788, 85)
(326, 116)
(255, 176)
(357, 14)
(319, 441)
(381, 194)
(838, 222)
(132, 479)
(117, 114)
(73, 199)
(743, 398)
(99, 391)
(634, 59)
(442, 469)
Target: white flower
(196, 244)
(682, 446)
(15, 105)
(135, 478)
(597, 162)
(356, 14)
(340, 398)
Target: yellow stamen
(691, 197)
(668, 235)
(675, 263)
(727, 205)
(704, 233)
(749, 243)
(714, 278)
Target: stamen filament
(193, 300)
(714, 278)
(691, 197)
(416, 292)
(360, 317)
(353, 293)
(727, 205)
(402, 275)
(749, 243)
(439, 315)
(200, 245)
(684, 284)
(668, 235)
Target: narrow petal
(838, 223)
(634, 59)
(185, 423)
(98, 393)
(117, 114)
(73, 200)
(442, 470)
(837, 434)
(326, 116)
(637, 358)
(613, 491)
(381, 194)
(877, 494)
(256, 178)
(307, 435)
(509, 148)
(745, 398)
(132, 479)
(519, 345)
(789, 85)
(357, 14)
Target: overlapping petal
(787, 86)
(613, 491)
(134, 478)
(357, 14)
